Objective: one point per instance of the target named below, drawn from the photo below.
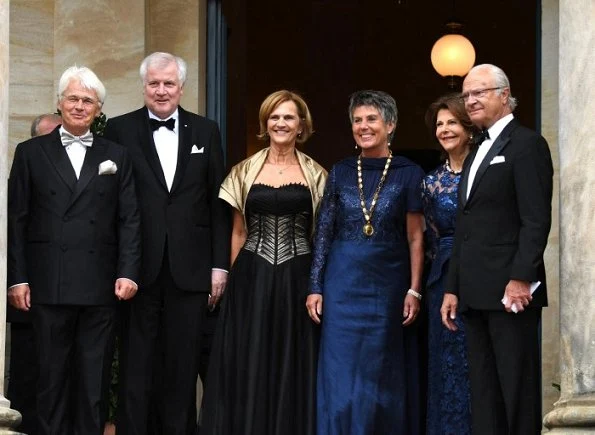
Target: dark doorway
(325, 50)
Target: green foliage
(98, 125)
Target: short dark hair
(382, 101)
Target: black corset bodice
(279, 221)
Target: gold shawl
(234, 189)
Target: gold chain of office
(368, 229)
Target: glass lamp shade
(453, 55)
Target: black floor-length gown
(262, 373)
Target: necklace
(281, 170)
(368, 228)
(449, 169)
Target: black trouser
(23, 375)
(160, 357)
(504, 371)
(75, 346)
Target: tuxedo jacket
(189, 223)
(71, 239)
(503, 226)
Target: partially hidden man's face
(491, 105)
(163, 90)
(79, 106)
(47, 125)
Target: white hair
(161, 60)
(501, 81)
(87, 79)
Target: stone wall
(111, 37)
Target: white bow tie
(68, 139)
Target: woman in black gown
(262, 373)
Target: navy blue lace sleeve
(431, 233)
(324, 234)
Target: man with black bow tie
(503, 222)
(178, 167)
(73, 251)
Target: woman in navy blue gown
(448, 408)
(367, 265)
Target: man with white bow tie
(73, 252)
(178, 166)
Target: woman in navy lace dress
(448, 408)
(262, 372)
(367, 265)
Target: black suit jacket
(191, 218)
(502, 228)
(71, 239)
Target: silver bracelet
(414, 293)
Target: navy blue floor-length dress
(367, 367)
(448, 404)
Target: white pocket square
(196, 150)
(497, 159)
(107, 168)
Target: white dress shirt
(494, 131)
(166, 144)
(76, 153)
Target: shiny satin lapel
(93, 157)
(59, 158)
(497, 147)
(184, 147)
(465, 178)
(147, 144)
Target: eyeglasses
(478, 93)
(74, 99)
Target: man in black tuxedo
(73, 251)
(23, 355)
(178, 167)
(503, 222)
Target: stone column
(574, 413)
(550, 332)
(9, 418)
(179, 27)
(109, 38)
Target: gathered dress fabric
(367, 368)
(262, 372)
(448, 401)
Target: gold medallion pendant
(368, 229)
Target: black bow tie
(482, 136)
(156, 124)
